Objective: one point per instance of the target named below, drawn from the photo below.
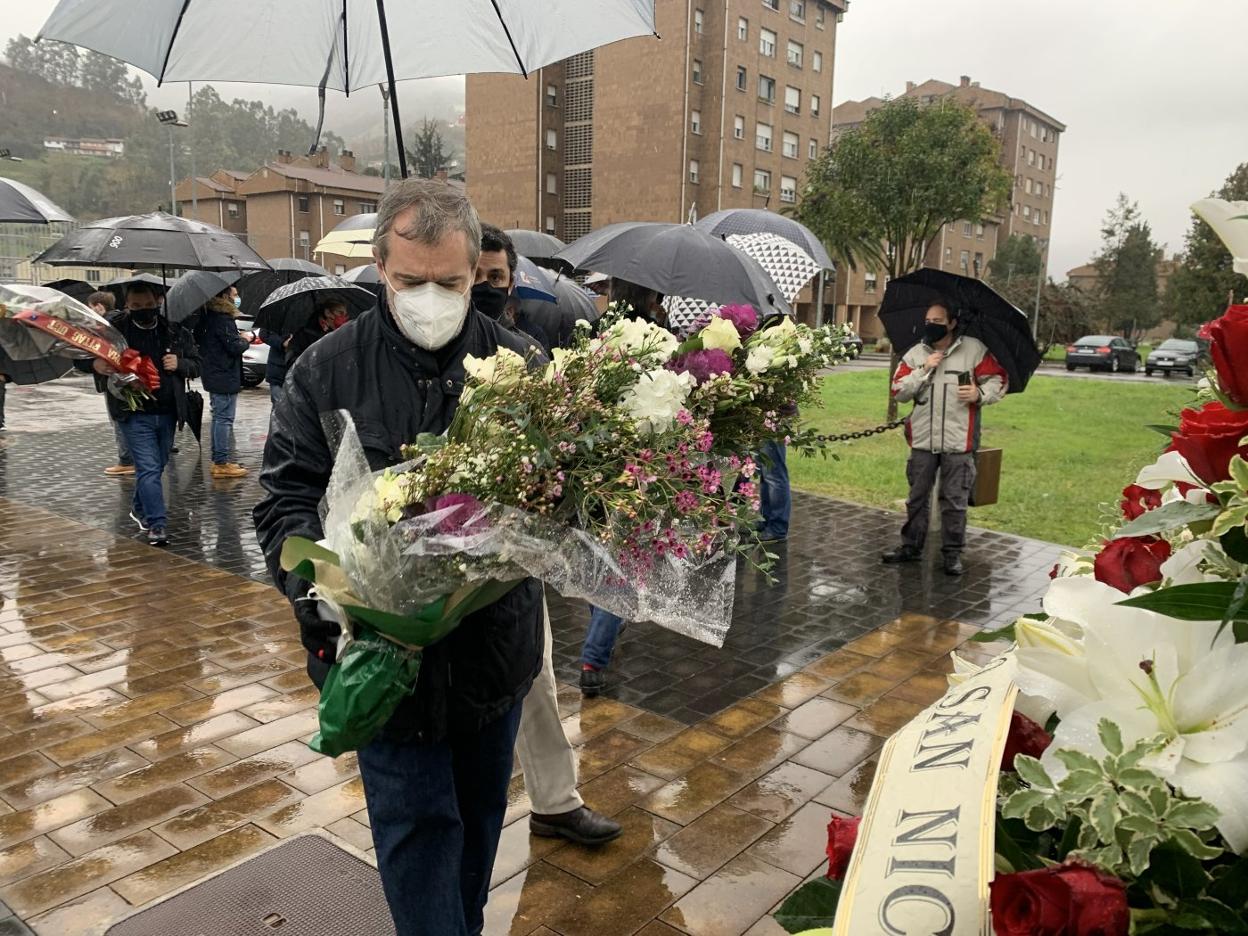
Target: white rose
(720, 335)
(759, 359)
(656, 398)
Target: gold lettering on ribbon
(70, 334)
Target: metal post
(385, 124)
(1035, 319)
(190, 102)
(819, 299)
(173, 201)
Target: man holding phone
(950, 378)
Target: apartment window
(550, 224)
(1027, 186)
(772, 4)
(304, 204)
(742, 81)
(552, 183)
(1034, 130)
(979, 263)
(304, 239)
(552, 140)
(340, 207)
(767, 43)
(979, 232)
(966, 228)
(789, 144)
(697, 21)
(738, 127)
(796, 49)
(818, 16)
(1031, 157)
(814, 105)
(1027, 212)
(762, 137)
(766, 89)
(797, 10)
(816, 61)
(792, 100)
(813, 150)
(788, 189)
(948, 255)
(93, 276)
(1044, 134)
(693, 171)
(737, 172)
(231, 208)
(339, 269)
(368, 207)
(964, 259)
(695, 121)
(552, 95)
(762, 181)
(697, 71)
(743, 29)
(1040, 158)
(869, 281)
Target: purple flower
(703, 365)
(463, 514)
(742, 316)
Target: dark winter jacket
(174, 338)
(394, 391)
(275, 369)
(221, 348)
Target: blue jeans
(604, 628)
(149, 436)
(777, 502)
(123, 450)
(436, 812)
(223, 406)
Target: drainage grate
(307, 886)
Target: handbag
(987, 485)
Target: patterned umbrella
(759, 220)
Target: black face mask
(143, 317)
(489, 300)
(934, 332)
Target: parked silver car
(255, 358)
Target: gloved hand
(319, 637)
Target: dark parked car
(1174, 354)
(254, 358)
(1102, 352)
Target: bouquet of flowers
(38, 322)
(1124, 803)
(600, 473)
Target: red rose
(1025, 737)
(1209, 437)
(1137, 501)
(842, 834)
(1229, 349)
(1131, 561)
(1069, 900)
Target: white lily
(1151, 675)
(1166, 470)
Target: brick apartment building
(724, 111)
(1029, 143)
(283, 208)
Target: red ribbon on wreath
(126, 361)
(142, 366)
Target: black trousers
(957, 479)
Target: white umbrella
(1229, 221)
(343, 44)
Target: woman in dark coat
(221, 348)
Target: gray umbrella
(677, 260)
(290, 307)
(254, 288)
(759, 221)
(21, 204)
(365, 275)
(536, 245)
(558, 319)
(192, 289)
(40, 370)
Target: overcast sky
(1154, 93)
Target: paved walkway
(155, 710)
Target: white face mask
(428, 315)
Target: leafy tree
(20, 53)
(1127, 271)
(428, 153)
(1204, 282)
(1018, 256)
(98, 72)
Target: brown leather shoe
(581, 825)
(228, 470)
(117, 471)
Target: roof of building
(1088, 269)
(333, 177)
(236, 173)
(969, 93)
(212, 184)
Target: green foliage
(1127, 268)
(1018, 256)
(1198, 290)
(811, 906)
(428, 153)
(881, 192)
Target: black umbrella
(194, 288)
(366, 275)
(74, 288)
(291, 307)
(540, 247)
(119, 284)
(558, 319)
(40, 370)
(981, 313)
(254, 288)
(155, 240)
(21, 204)
(677, 260)
(759, 221)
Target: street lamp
(170, 119)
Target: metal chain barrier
(861, 434)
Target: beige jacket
(941, 422)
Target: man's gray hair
(440, 210)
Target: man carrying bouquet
(949, 377)
(436, 777)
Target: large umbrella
(119, 284)
(291, 307)
(21, 342)
(1229, 220)
(677, 260)
(351, 238)
(538, 246)
(532, 282)
(558, 319)
(21, 204)
(785, 262)
(155, 240)
(981, 313)
(343, 44)
(760, 221)
(40, 370)
(254, 288)
(366, 275)
(75, 288)
(192, 289)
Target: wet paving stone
(711, 841)
(642, 831)
(732, 899)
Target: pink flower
(686, 501)
(465, 514)
(705, 441)
(703, 365)
(684, 418)
(747, 490)
(742, 316)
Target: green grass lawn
(1069, 447)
